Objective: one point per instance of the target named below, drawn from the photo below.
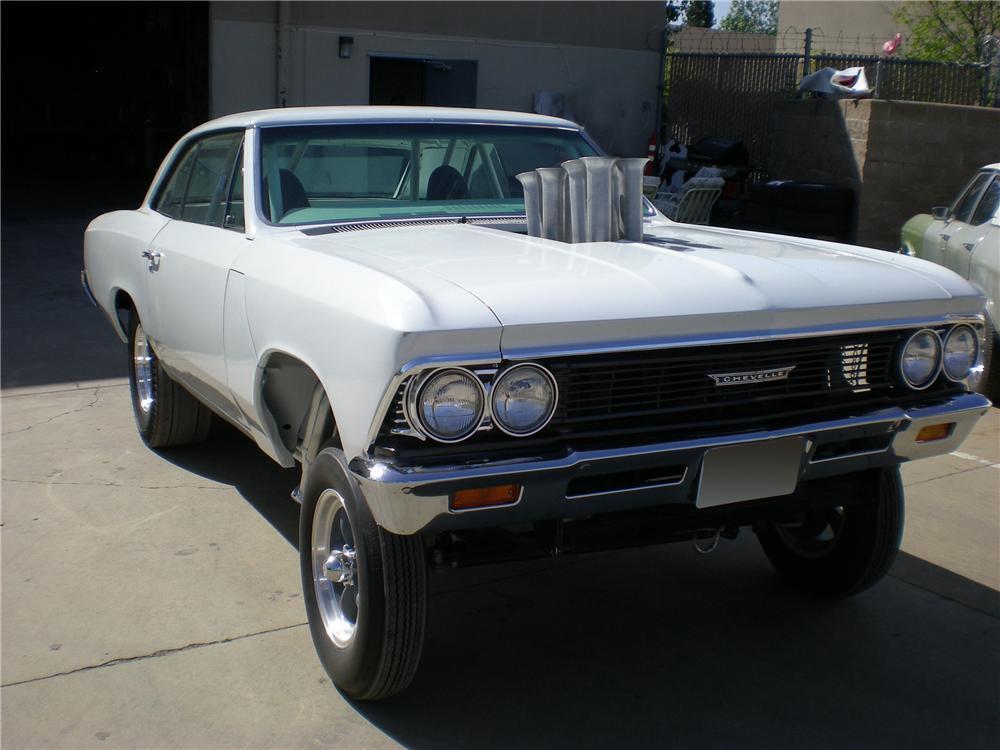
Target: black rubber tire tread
(383, 657)
(176, 418)
(862, 555)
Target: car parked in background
(480, 344)
(965, 237)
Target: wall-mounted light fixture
(346, 47)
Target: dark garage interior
(96, 93)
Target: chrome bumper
(410, 500)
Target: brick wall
(901, 158)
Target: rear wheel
(841, 550)
(165, 414)
(365, 589)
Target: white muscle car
(480, 343)
(965, 237)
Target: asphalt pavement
(151, 599)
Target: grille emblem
(751, 376)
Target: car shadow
(660, 647)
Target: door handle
(945, 237)
(153, 256)
(968, 246)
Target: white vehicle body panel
(972, 251)
(357, 308)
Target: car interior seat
(293, 195)
(446, 183)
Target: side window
(964, 205)
(987, 207)
(205, 200)
(235, 218)
(170, 201)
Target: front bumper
(411, 500)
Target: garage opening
(415, 82)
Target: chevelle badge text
(751, 376)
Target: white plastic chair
(694, 206)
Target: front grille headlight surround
(447, 405)
(920, 359)
(523, 399)
(961, 352)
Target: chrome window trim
(259, 155)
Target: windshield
(335, 173)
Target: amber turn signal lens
(484, 497)
(935, 432)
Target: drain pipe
(284, 44)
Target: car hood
(679, 283)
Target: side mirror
(941, 213)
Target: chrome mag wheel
(142, 362)
(334, 568)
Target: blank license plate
(736, 473)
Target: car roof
(993, 166)
(320, 115)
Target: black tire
(864, 543)
(172, 417)
(380, 657)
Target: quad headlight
(961, 352)
(921, 359)
(449, 405)
(523, 399)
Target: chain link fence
(731, 94)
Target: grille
(677, 384)
(668, 394)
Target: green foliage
(753, 16)
(700, 13)
(948, 31)
(675, 9)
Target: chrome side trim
(517, 355)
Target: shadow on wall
(901, 158)
(661, 647)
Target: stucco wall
(611, 90)
(902, 158)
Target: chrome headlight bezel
(938, 360)
(501, 376)
(414, 396)
(977, 353)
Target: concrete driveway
(152, 599)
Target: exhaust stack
(591, 199)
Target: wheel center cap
(339, 566)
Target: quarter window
(965, 204)
(987, 207)
(197, 191)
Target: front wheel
(365, 589)
(842, 550)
